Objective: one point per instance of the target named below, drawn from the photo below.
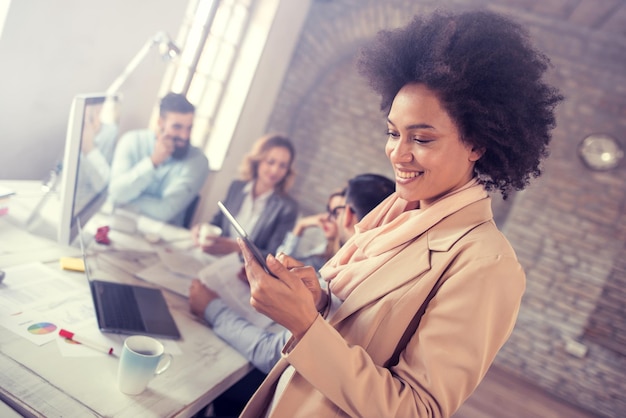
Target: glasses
(334, 212)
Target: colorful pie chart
(42, 328)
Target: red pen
(86, 342)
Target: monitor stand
(49, 188)
(35, 208)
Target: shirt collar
(247, 189)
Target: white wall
(53, 50)
(4, 8)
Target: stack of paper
(175, 268)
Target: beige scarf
(384, 232)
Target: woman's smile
(404, 176)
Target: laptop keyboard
(121, 306)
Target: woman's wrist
(323, 306)
(321, 303)
(298, 334)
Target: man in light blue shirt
(158, 174)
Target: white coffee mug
(208, 232)
(142, 359)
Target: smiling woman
(259, 198)
(426, 292)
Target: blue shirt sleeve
(178, 189)
(132, 170)
(289, 245)
(161, 193)
(260, 346)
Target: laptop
(128, 309)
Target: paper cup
(207, 233)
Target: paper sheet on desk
(176, 269)
(221, 276)
(36, 285)
(128, 260)
(36, 301)
(185, 263)
(123, 241)
(165, 231)
(159, 274)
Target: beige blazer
(340, 363)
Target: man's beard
(180, 152)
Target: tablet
(244, 236)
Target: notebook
(128, 309)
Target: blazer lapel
(386, 279)
(414, 260)
(235, 200)
(269, 212)
(263, 396)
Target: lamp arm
(117, 83)
(109, 112)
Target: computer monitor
(89, 147)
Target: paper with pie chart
(36, 301)
(32, 326)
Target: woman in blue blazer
(259, 199)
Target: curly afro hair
(488, 77)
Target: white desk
(39, 381)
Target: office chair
(190, 211)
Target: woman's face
(329, 224)
(425, 148)
(273, 168)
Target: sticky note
(72, 263)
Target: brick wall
(568, 228)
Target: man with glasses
(327, 223)
(260, 346)
(343, 211)
(159, 173)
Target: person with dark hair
(258, 199)
(317, 256)
(260, 346)
(364, 193)
(158, 174)
(427, 290)
(363, 199)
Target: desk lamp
(168, 51)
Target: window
(210, 39)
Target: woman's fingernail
(271, 259)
